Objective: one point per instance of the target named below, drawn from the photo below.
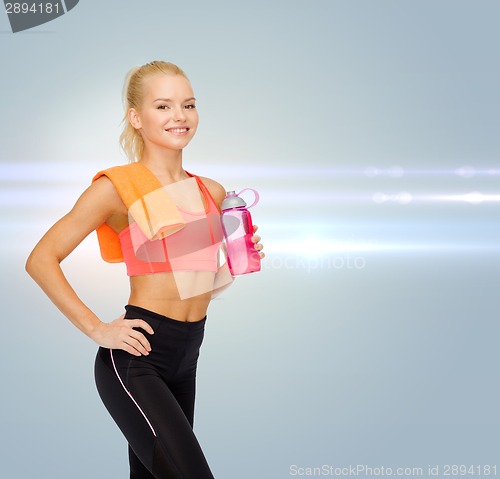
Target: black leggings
(151, 398)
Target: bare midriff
(167, 294)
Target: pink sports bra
(192, 248)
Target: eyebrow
(168, 99)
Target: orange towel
(148, 204)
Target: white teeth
(177, 130)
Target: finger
(140, 323)
(147, 327)
(130, 350)
(255, 238)
(262, 255)
(136, 344)
(141, 338)
(255, 228)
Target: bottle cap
(232, 200)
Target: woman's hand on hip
(119, 334)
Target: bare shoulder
(217, 191)
(103, 185)
(104, 192)
(97, 204)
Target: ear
(133, 118)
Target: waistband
(133, 311)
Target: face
(168, 117)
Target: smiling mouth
(177, 131)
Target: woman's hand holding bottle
(258, 246)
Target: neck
(165, 165)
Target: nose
(179, 114)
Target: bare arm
(95, 206)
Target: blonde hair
(133, 95)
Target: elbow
(41, 265)
(36, 263)
(31, 262)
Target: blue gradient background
(371, 130)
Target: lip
(178, 133)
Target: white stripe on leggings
(128, 392)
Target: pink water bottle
(242, 257)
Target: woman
(164, 223)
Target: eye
(190, 106)
(162, 107)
